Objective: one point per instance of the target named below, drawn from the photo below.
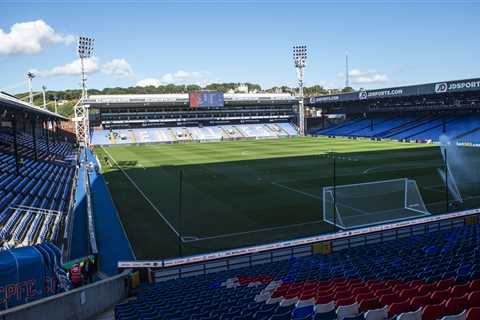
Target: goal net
(365, 204)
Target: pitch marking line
(227, 235)
(143, 194)
(297, 191)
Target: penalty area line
(235, 234)
(297, 191)
(143, 194)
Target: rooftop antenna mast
(82, 127)
(299, 60)
(347, 71)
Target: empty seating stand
(33, 203)
(53, 150)
(462, 128)
(428, 276)
(183, 134)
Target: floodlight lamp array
(300, 56)
(85, 47)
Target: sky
(389, 43)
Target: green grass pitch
(238, 193)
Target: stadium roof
(10, 102)
(445, 87)
(183, 98)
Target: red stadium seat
(440, 295)
(345, 301)
(364, 296)
(360, 290)
(408, 293)
(376, 285)
(388, 299)
(310, 286)
(459, 290)
(382, 292)
(342, 288)
(474, 299)
(398, 308)
(342, 294)
(433, 312)
(292, 294)
(324, 292)
(426, 288)
(420, 301)
(323, 299)
(369, 304)
(456, 305)
(445, 284)
(415, 283)
(392, 283)
(307, 294)
(325, 283)
(473, 313)
(474, 285)
(400, 287)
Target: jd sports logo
(441, 87)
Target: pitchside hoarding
(417, 90)
(293, 243)
(206, 99)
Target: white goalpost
(365, 204)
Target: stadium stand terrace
(35, 174)
(169, 118)
(413, 113)
(428, 276)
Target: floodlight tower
(82, 127)
(30, 76)
(299, 59)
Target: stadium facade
(174, 117)
(131, 111)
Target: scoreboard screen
(205, 99)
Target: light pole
(30, 76)
(299, 59)
(44, 88)
(55, 98)
(85, 51)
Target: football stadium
(231, 202)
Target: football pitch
(221, 195)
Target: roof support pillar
(15, 145)
(34, 136)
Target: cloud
(118, 68)
(367, 77)
(70, 69)
(182, 76)
(148, 82)
(179, 77)
(30, 38)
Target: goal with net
(365, 204)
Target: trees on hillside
(72, 96)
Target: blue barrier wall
(79, 244)
(112, 242)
